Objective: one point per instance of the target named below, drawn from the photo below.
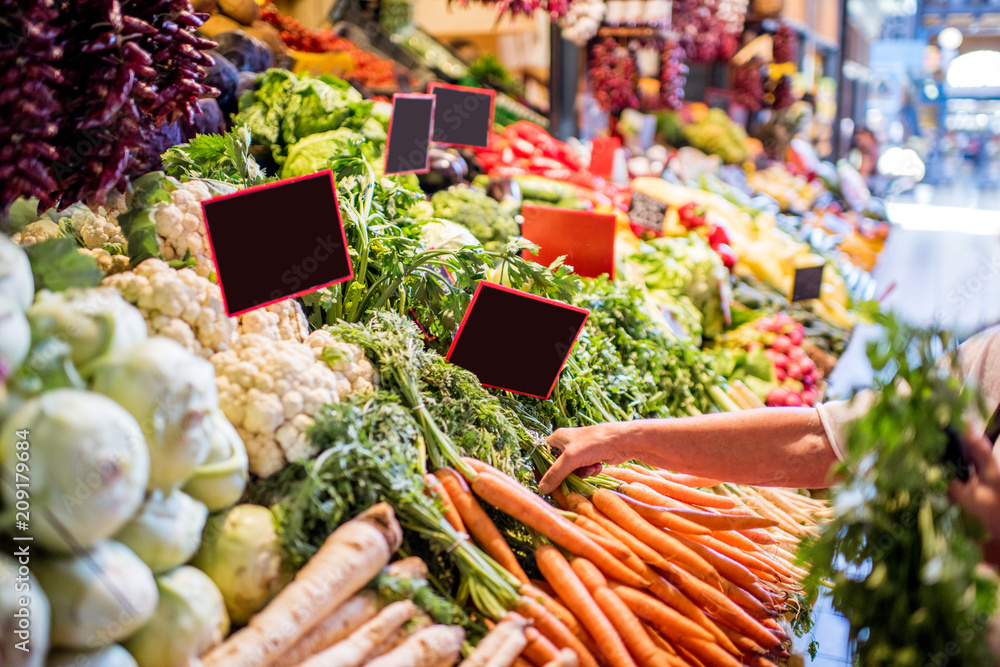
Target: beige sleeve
(836, 415)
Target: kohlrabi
(167, 530)
(97, 598)
(24, 615)
(88, 462)
(15, 336)
(241, 552)
(171, 392)
(221, 479)
(190, 619)
(16, 281)
(94, 321)
(112, 656)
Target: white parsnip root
(356, 649)
(436, 645)
(502, 646)
(349, 558)
(567, 658)
(340, 624)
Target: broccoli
(482, 215)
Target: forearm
(765, 447)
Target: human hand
(980, 495)
(583, 451)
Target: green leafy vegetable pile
(904, 561)
(285, 109)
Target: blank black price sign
(808, 283)
(516, 341)
(309, 253)
(647, 211)
(463, 116)
(410, 125)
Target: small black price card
(808, 283)
(647, 211)
(309, 252)
(463, 116)
(516, 341)
(407, 149)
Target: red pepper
(507, 170)
(561, 174)
(530, 131)
(543, 163)
(727, 255)
(717, 236)
(568, 156)
(521, 147)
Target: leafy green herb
(57, 264)
(902, 559)
(224, 158)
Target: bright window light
(978, 69)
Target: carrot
(543, 586)
(539, 651)
(560, 498)
(629, 520)
(436, 645)
(668, 654)
(710, 654)
(643, 650)
(660, 516)
(480, 524)
(745, 558)
(347, 618)
(553, 606)
(613, 545)
(552, 525)
(747, 602)
(711, 520)
(348, 559)
(686, 480)
(758, 536)
(745, 645)
(601, 536)
(504, 643)
(719, 606)
(758, 661)
(665, 620)
(775, 629)
(356, 649)
(451, 514)
(645, 553)
(731, 570)
(555, 630)
(672, 489)
(567, 584)
(690, 658)
(669, 595)
(521, 662)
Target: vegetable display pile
(313, 482)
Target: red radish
(781, 344)
(779, 374)
(764, 323)
(794, 371)
(777, 397)
(795, 336)
(754, 345)
(809, 397)
(793, 401)
(807, 365)
(780, 361)
(797, 354)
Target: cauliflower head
(283, 320)
(270, 390)
(36, 232)
(180, 227)
(106, 261)
(178, 304)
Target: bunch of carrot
(642, 567)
